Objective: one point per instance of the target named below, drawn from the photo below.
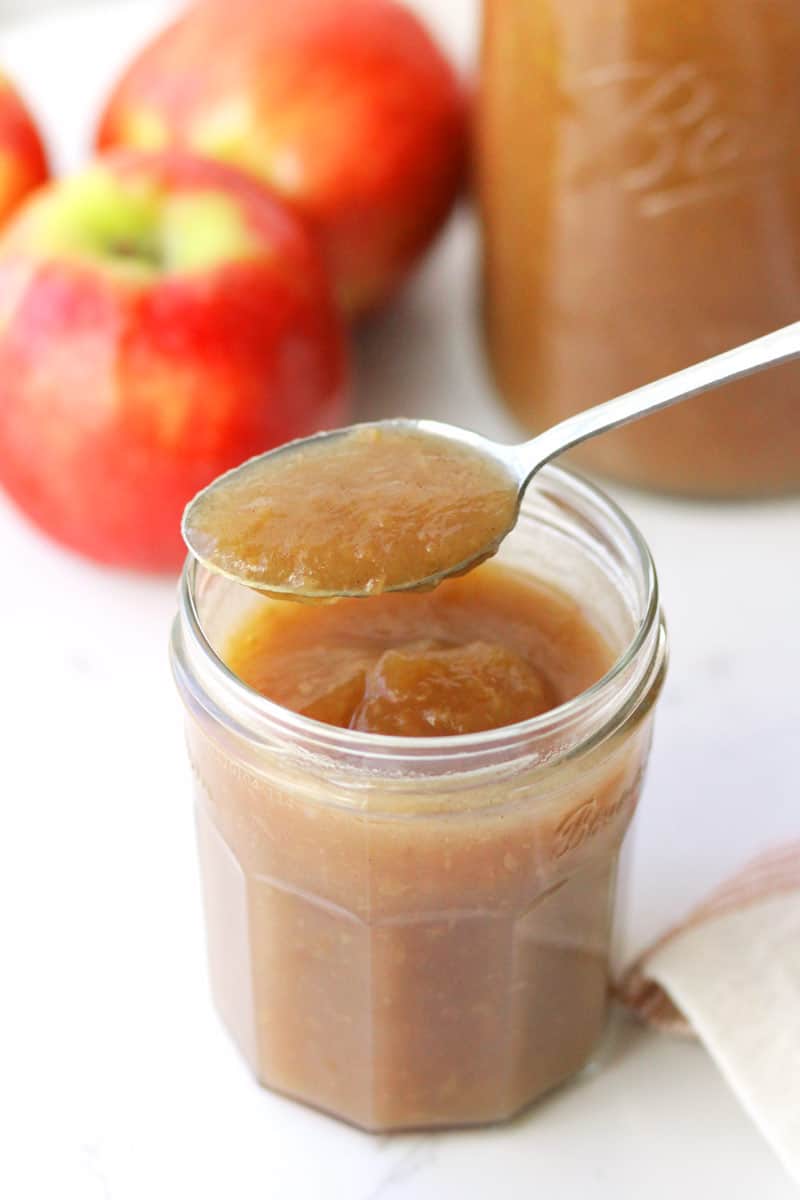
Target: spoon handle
(780, 346)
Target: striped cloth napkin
(730, 974)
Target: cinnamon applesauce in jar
(410, 809)
(640, 197)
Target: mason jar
(640, 197)
(414, 932)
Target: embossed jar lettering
(679, 134)
(640, 200)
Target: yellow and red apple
(23, 163)
(162, 318)
(346, 108)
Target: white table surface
(115, 1077)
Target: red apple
(23, 164)
(161, 319)
(347, 108)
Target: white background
(116, 1078)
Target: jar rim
(257, 715)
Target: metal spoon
(520, 463)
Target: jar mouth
(208, 683)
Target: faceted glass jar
(640, 195)
(414, 932)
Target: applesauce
(640, 198)
(412, 930)
(360, 512)
(490, 649)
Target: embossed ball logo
(670, 136)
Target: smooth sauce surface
(370, 511)
(491, 648)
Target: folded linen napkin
(730, 973)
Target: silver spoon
(520, 463)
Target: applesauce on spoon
(358, 512)
(400, 505)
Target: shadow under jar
(640, 193)
(412, 932)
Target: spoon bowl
(401, 505)
(381, 506)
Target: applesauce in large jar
(410, 810)
(640, 195)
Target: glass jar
(414, 932)
(640, 195)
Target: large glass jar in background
(640, 188)
(414, 932)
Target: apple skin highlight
(135, 367)
(346, 108)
